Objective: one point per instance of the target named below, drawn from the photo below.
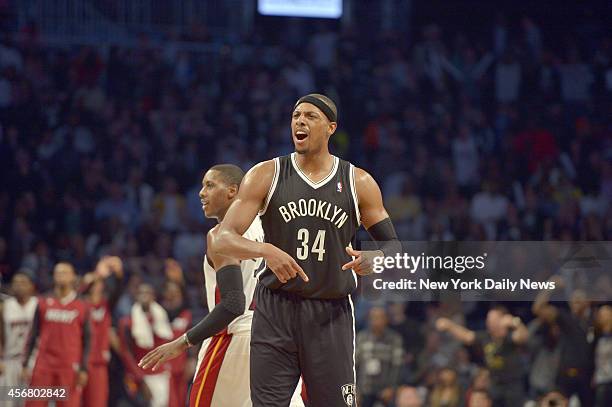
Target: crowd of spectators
(503, 138)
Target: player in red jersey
(146, 328)
(180, 318)
(61, 328)
(103, 288)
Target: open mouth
(301, 135)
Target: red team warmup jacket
(63, 331)
(101, 322)
(178, 384)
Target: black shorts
(295, 336)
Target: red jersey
(100, 318)
(131, 353)
(61, 327)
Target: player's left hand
(82, 378)
(363, 263)
(163, 353)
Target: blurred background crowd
(496, 130)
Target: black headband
(318, 103)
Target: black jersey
(314, 223)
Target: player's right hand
(282, 265)
(162, 354)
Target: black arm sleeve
(384, 234)
(32, 337)
(86, 343)
(229, 281)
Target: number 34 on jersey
(317, 247)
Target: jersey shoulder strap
(277, 166)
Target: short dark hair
(26, 272)
(230, 173)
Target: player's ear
(232, 191)
(332, 128)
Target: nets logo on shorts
(348, 394)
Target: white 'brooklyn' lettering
(312, 207)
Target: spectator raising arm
(541, 308)
(520, 334)
(462, 334)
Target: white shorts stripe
(350, 298)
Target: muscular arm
(375, 219)
(229, 242)
(241, 213)
(371, 206)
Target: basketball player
(103, 288)
(146, 327)
(61, 326)
(17, 315)
(222, 373)
(179, 315)
(311, 203)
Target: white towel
(141, 328)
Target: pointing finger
(301, 273)
(295, 267)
